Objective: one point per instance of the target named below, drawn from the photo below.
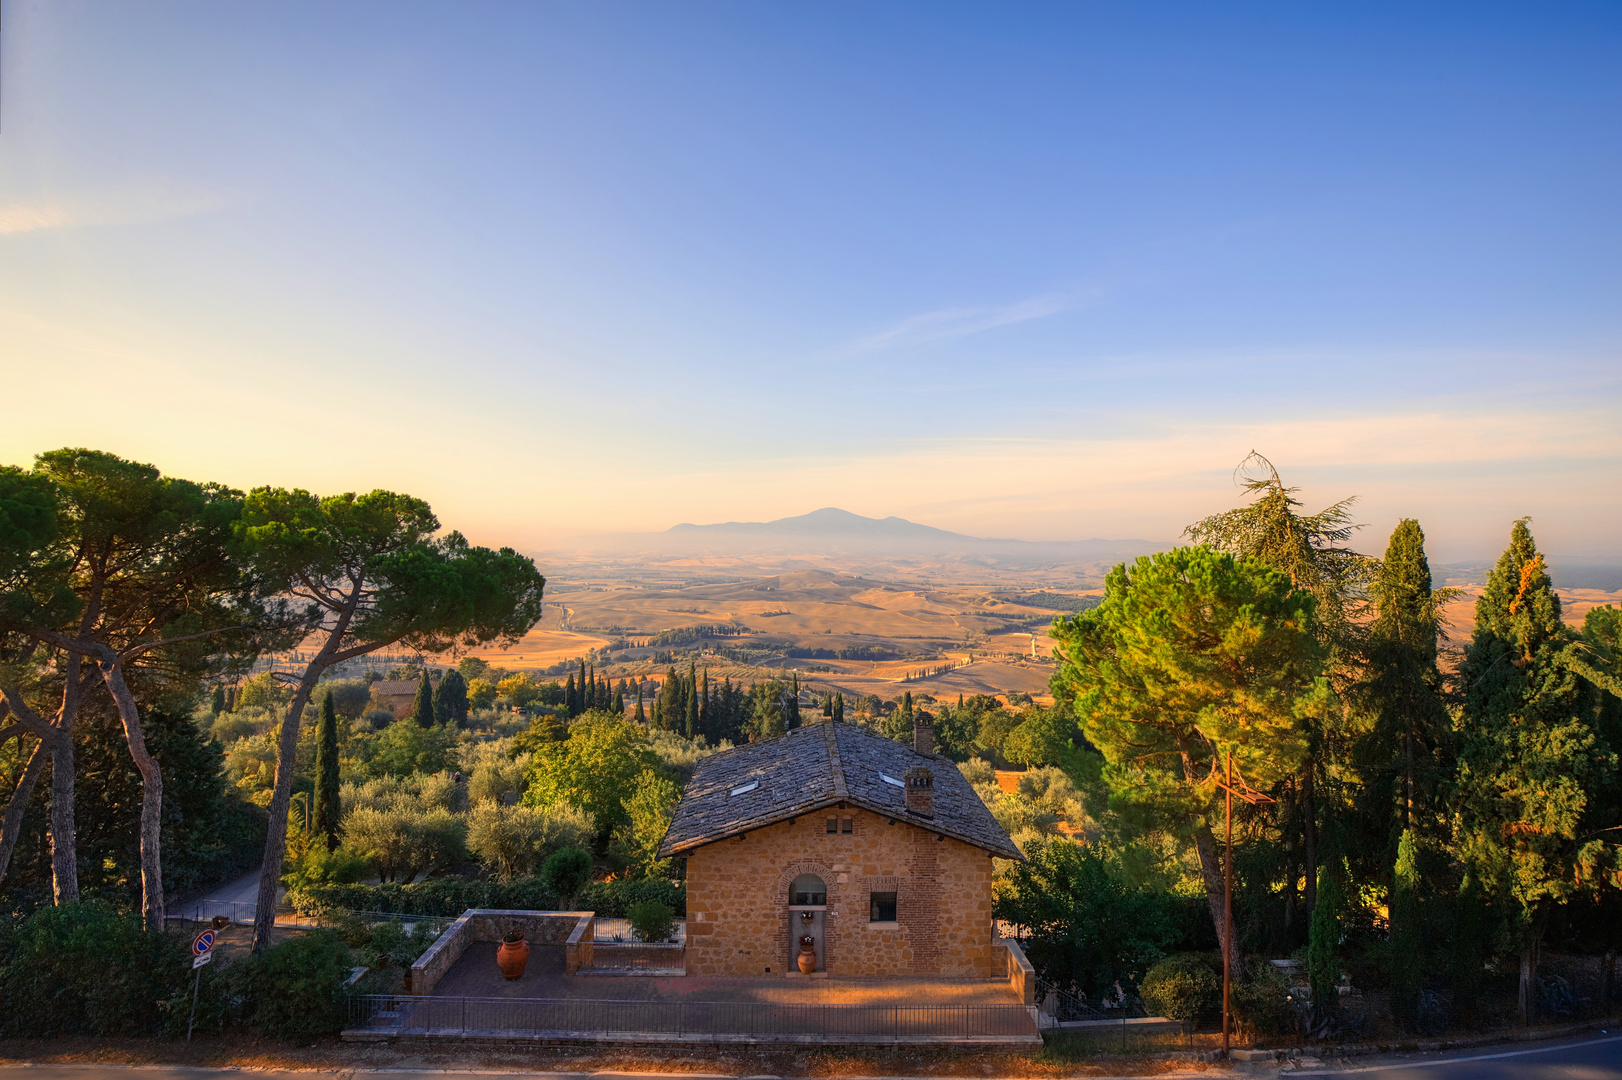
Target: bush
(614, 899)
(87, 969)
(651, 920)
(294, 990)
(1184, 987)
(1262, 1003)
(566, 872)
(444, 896)
(450, 896)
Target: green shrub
(86, 969)
(651, 920)
(294, 990)
(1262, 1003)
(566, 872)
(450, 896)
(613, 899)
(1185, 986)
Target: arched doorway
(807, 908)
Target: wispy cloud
(132, 202)
(962, 321)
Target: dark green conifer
(217, 703)
(450, 699)
(641, 717)
(422, 707)
(327, 810)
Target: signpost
(202, 953)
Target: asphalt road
(1598, 1058)
(1580, 1059)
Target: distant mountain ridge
(829, 521)
(833, 524)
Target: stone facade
(738, 919)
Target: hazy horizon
(1045, 272)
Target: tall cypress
(327, 810)
(618, 708)
(1403, 687)
(839, 708)
(690, 711)
(641, 717)
(1407, 969)
(569, 697)
(450, 699)
(217, 702)
(422, 708)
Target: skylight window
(888, 779)
(744, 789)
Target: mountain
(836, 529)
(831, 521)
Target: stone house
(880, 852)
(395, 695)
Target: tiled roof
(816, 766)
(395, 687)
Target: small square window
(883, 907)
(833, 826)
(847, 825)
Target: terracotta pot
(513, 956)
(808, 956)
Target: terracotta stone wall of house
(737, 900)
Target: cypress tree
(450, 699)
(839, 708)
(618, 708)
(706, 718)
(641, 717)
(422, 708)
(1323, 946)
(1403, 688)
(217, 703)
(327, 809)
(792, 720)
(1407, 939)
(691, 709)
(582, 689)
(828, 705)
(569, 701)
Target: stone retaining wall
(573, 929)
(1021, 975)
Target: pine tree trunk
(64, 846)
(112, 672)
(270, 870)
(1309, 837)
(12, 824)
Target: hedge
(450, 896)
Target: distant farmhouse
(395, 695)
(878, 852)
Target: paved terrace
(472, 1002)
(476, 975)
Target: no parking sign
(202, 949)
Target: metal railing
(635, 956)
(584, 1018)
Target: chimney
(923, 732)
(920, 791)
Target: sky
(1043, 271)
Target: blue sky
(1032, 270)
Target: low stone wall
(493, 924)
(1021, 975)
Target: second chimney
(923, 732)
(920, 791)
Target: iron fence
(576, 1017)
(635, 956)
